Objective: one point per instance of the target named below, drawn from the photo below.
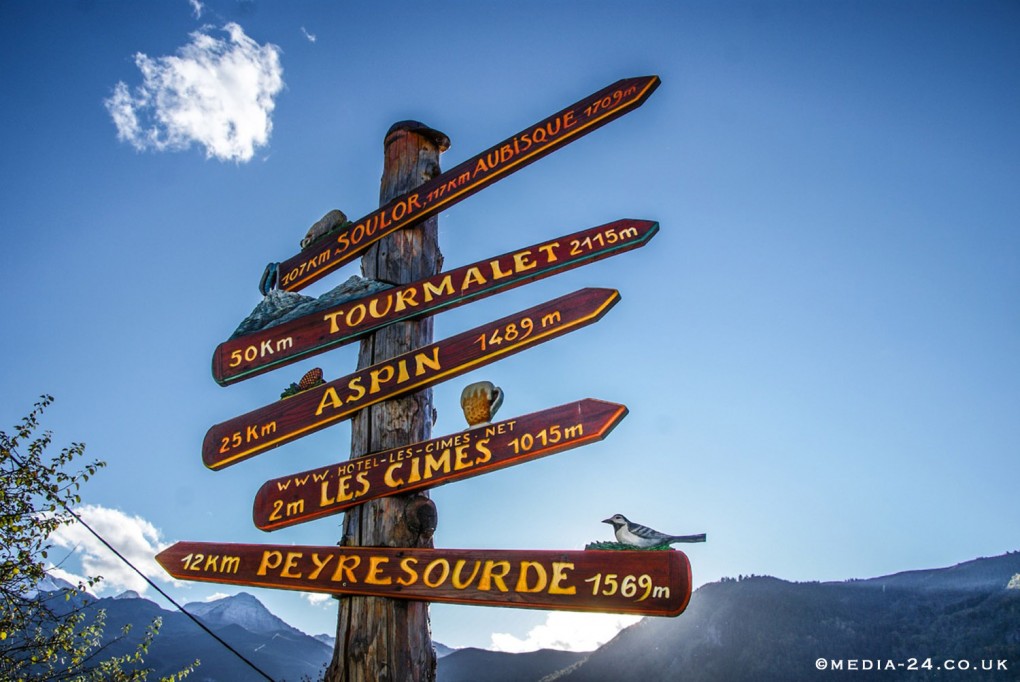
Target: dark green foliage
(46, 635)
(620, 545)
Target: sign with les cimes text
(338, 248)
(252, 354)
(331, 489)
(648, 583)
(285, 420)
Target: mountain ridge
(748, 628)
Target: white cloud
(134, 537)
(197, 7)
(216, 596)
(566, 631)
(309, 36)
(218, 93)
(317, 598)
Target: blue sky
(820, 350)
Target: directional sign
(650, 583)
(338, 248)
(286, 420)
(331, 489)
(261, 351)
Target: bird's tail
(701, 537)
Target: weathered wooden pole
(386, 639)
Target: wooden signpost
(285, 420)
(388, 511)
(267, 349)
(647, 583)
(338, 248)
(331, 489)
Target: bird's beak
(607, 521)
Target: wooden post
(386, 639)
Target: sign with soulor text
(339, 248)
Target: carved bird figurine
(480, 401)
(636, 535)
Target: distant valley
(751, 628)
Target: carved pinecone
(311, 379)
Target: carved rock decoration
(270, 310)
(281, 306)
(333, 220)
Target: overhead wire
(17, 459)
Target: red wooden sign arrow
(650, 583)
(331, 489)
(286, 420)
(532, 143)
(252, 354)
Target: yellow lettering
(472, 276)
(355, 385)
(522, 261)
(324, 499)
(429, 291)
(457, 582)
(333, 326)
(375, 568)
(490, 575)
(486, 452)
(421, 360)
(433, 464)
(460, 460)
(497, 272)
(329, 398)
(292, 558)
(362, 478)
(415, 470)
(319, 565)
(550, 255)
(356, 315)
(405, 299)
(401, 208)
(270, 559)
(343, 568)
(373, 307)
(559, 575)
(343, 492)
(385, 372)
(388, 477)
(444, 574)
(406, 567)
(540, 574)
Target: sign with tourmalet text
(331, 489)
(252, 354)
(648, 583)
(341, 247)
(288, 419)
